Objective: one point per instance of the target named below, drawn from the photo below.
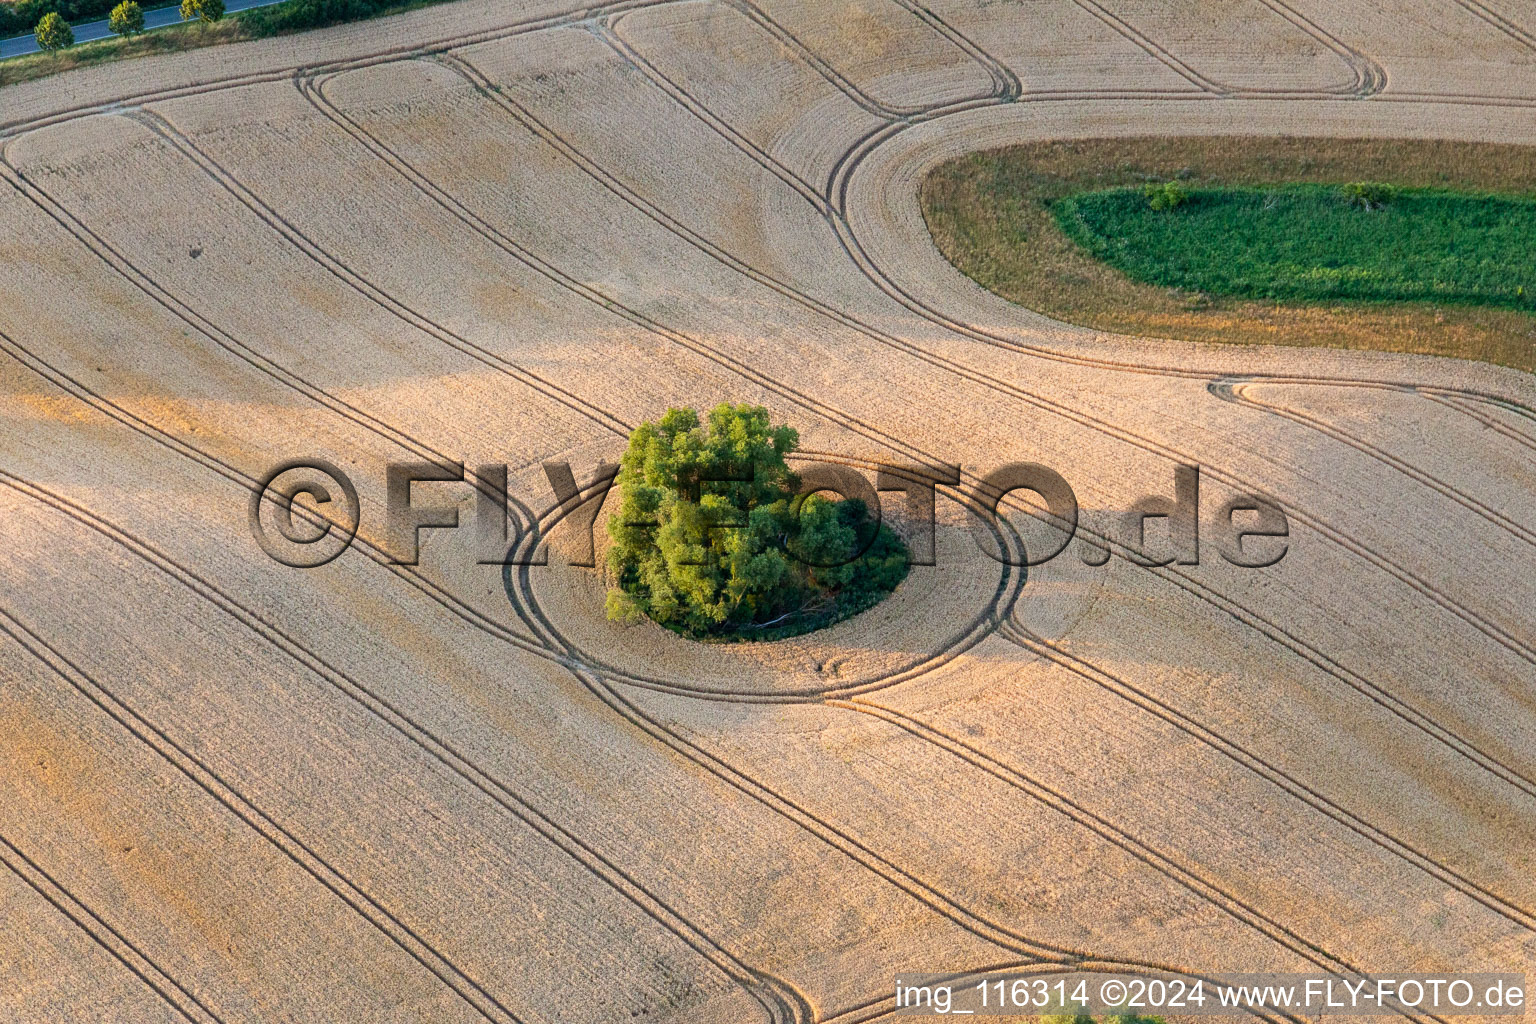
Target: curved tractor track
(723, 744)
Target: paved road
(91, 30)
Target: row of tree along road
(126, 19)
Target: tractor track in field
(1164, 864)
(1506, 25)
(359, 283)
(1369, 76)
(1005, 82)
(1452, 400)
(1008, 91)
(248, 354)
(1236, 392)
(880, 280)
(885, 283)
(122, 949)
(1258, 765)
(826, 69)
(210, 782)
(532, 123)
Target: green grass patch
(1316, 243)
(995, 215)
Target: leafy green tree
(711, 536)
(54, 33)
(126, 19)
(205, 10)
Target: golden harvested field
(507, 232)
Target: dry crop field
(504, 233)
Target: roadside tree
(53, 32)
(126, 19)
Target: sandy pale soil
(504, 233)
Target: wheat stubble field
(505, 233)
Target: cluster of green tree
(713, 538)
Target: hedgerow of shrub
(22, 17)
(296, 15)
